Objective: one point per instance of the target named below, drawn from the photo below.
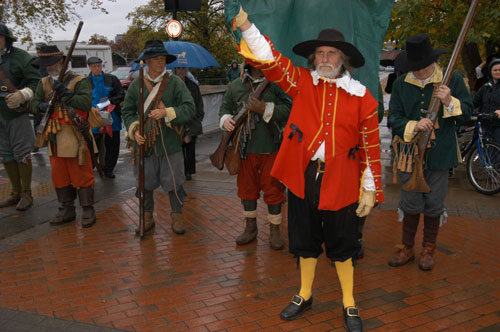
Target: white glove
(366, 203)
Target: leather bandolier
(8, 87)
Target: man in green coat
(163, 164)
(18, 81)
(410, 99)
(258, 141)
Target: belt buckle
(320, 163)
(4, 88)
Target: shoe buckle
(352, 312)
(297, 300)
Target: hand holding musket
(417, 181)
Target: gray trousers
(16, 139)
(430, 204)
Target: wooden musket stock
(141, 151)
(217, 158)
(417, 181)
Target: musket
(217, 158)
(417, 181)
(141, 151)
(83, 127)
(53, 97)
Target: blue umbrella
(188, 55)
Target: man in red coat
(329, 158)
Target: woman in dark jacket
(487, 99)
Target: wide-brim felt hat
(154, 48)
(332, 38)
(419, 54)
(49, 55)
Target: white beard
(328, 70)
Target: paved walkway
(106, 279)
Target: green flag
(289, 22)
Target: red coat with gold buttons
(341, 113)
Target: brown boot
(275, 241)
(149, 223)
(403, 256)
(178, 223)
(66, 196)
(250, 232)
(86, 196)
(25, 202)
(13, 199)
(426, 260)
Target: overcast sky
(94, 21)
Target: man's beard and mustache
(328, 70)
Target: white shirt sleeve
(257, 43)
(368, 181)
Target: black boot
(86, 196)
(66, 196)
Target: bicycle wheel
(483, 168)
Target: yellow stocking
(345, 272)
(307, 269)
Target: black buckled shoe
(352, 321)
(296, 307)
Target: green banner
(289, 22)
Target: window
(78, 61)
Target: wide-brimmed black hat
(419, 54)
(333, 38)
(49, 54)
(154, 48)
(94, 59)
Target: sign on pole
(174, 28)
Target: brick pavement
(105, 278)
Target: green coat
(407, 102)
(261, 140)
(23, 74)
(80, 99)
(176, 95)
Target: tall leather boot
(15, 180)
(25, 171)
(250, 232)
(66, 196)
(86, 196)
(405, 251)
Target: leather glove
(241, 18)
(43, 107)
(366, 203)
(256, 105)
(16, 99)
(61, 90)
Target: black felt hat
(154, 48)
(419, 54)
(333, 38)
(49, 55)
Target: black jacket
(487, 99)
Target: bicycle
(483, 158)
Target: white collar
(157, 79)
(346, 82)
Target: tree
(22, 16)
(442, 20)
(206, 28)
(97, 39)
